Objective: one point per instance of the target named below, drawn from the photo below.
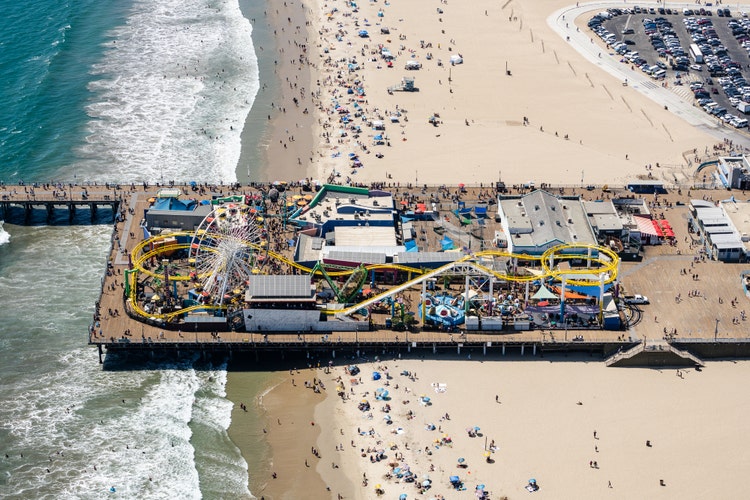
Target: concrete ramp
(657, 355)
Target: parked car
(636, 299)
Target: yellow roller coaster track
(606, 261)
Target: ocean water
(127, 91)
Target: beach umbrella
(426, 483)
(476, 429)
(532, 481)
(402, 496)
(461, 460)
(487, 453)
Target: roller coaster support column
(424, 300)
(527, 291)
(562, 300)
(466, 295)
(492, 285)
(588, 261)
(601, 299)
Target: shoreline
(277, 138)
(274, 431)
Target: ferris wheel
(223, 250)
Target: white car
(695, 67)
(636, 299)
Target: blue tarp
(447, 243)
(173, 204)
(411, 246)
(480, 211)
(591, 291)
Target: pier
(117, 327)
(21, 204)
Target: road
(561, 22)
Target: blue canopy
(375, 375)
(447, 243)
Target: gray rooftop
(539, 220)
(279, 287)
(427, 257)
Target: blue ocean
(126, 91)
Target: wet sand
(275, 433)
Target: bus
(696, 54)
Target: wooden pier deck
(18, 204)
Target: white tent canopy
(544, 294)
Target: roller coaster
(602, 266)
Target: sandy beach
(575, 426)
(521, 99)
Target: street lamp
(716, 329)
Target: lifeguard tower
(406, 85)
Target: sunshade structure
(648, 226)
(544, 294)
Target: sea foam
(140, 445)
(171, 94)
(4, 235)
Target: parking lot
(703, 57)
